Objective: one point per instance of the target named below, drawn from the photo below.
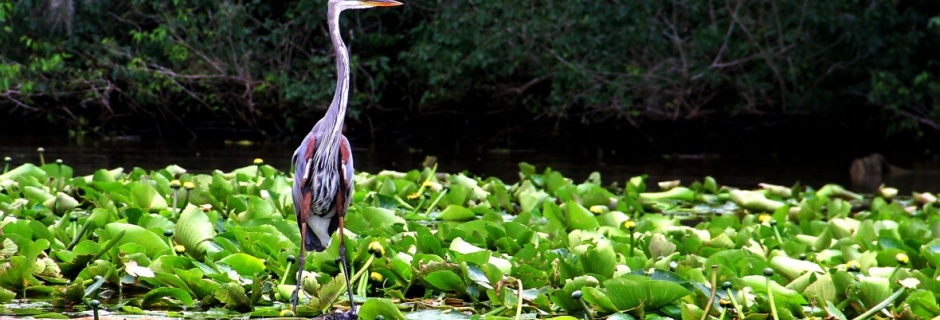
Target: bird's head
(362, 4)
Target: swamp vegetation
(222, 244)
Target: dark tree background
(690, 75)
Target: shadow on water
(742, 171)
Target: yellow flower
(175, 184)
(902, 258)
(376, 249)
(258, 161)
(286, 313)
(414, 196)
(427, 184)
(629, 224)
(853, 266)
(179, 248)
(764, 218)
(375, 276)
(598, 209)
(189, 185)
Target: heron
(323, 163)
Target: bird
(323, 163)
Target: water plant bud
(179, 248)
(189, 185)
(168, 233)
(286, 313)
(887, 193)
(7, 159)
(58, 161)
(726, 285)
(94, 303)
(258, 161)
(853, 266)
(291, 259)
(768, 272)
(576, 295)
(73, 218)
(598, 209)
(764, 218)
(773, 222)
(40, 149)
(725, 303)
(375, 276)
(376, 249)
(175, 184)
(629, 224)
(802, 256)
(902, 258)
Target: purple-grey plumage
(323, 164)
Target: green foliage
(266, 64)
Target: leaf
(375, 307)
(635, 291)
(158, 294)
(923, 303)
(598, 298)
(233, 296)
(195, 232)
(150, 241)
(145, 196)
(456, 213)
(246, 265)
(446, 280)
(601, 260)
(580, 218)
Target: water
(742, 171)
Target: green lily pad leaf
(580, 218)
(460, 246)
(6, 295)
(233, 296)
(598, 297)
(629, 292)
(378, 221)
(50, 315)
(373, 308)
(61, 203)
(783, 297)
(923, 303)
(601, 260)
(456, 213)
(446, 280)
(563, 298)
(158, 294)
(151, 242)
(244, 264)
(195, 232)
(792, 268)
(873, 289)
(146, 196)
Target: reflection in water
(742, 171)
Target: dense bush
(262, 65)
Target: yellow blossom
(629, 224)
(375, 276)
(598, 209)
(902, 258)
(414, 196)
(764, 218)
(376, 249)
(258, 161)
(175, 184)
(189, 185)
(853, 266)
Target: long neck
(337, 112)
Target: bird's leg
(300, 269)
(342, 257)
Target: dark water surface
(742, 171)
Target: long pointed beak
(380, 3)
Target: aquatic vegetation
(544, 246)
